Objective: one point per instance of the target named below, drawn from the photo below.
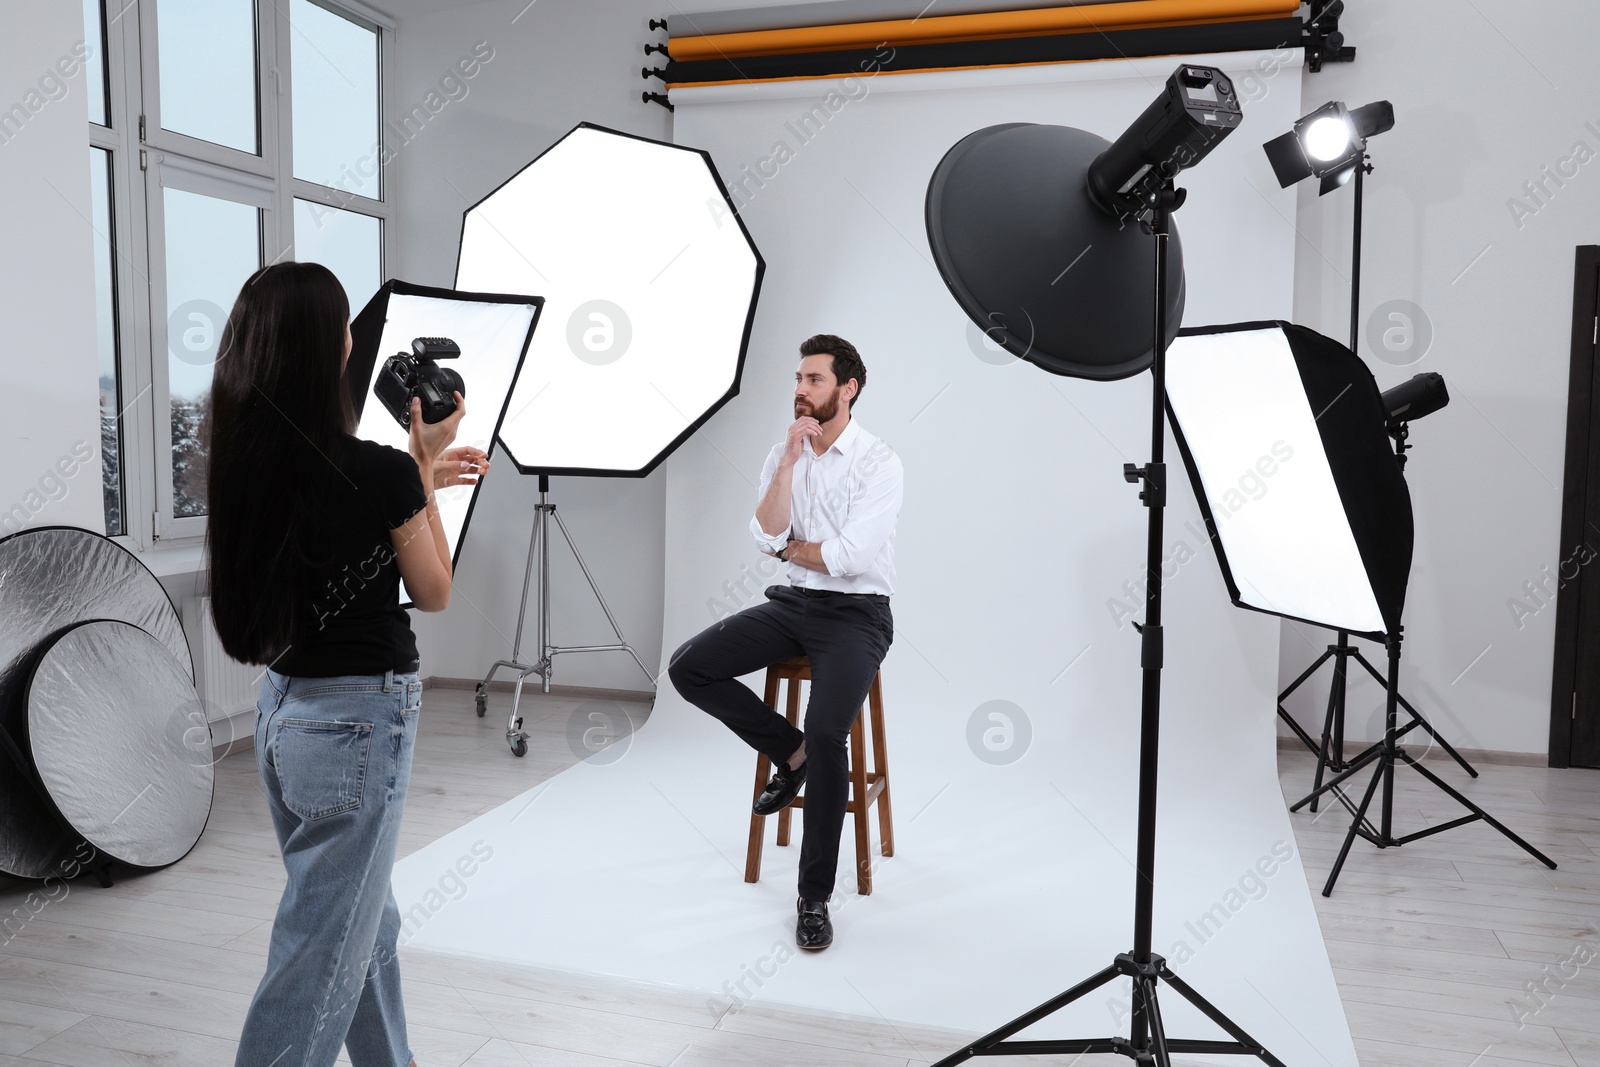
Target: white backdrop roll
(1013, 684)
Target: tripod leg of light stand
(1418, 720)
(1343, 776)
(1283, 713)
(994, 1038)
(1325, 753)
(1477, 813)
(622, 642)
(1355, 828)
(538, 545)
(1210, 1011)
(1158, 1032)
(481, 690)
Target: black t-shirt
(354, 623)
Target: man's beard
(828, 410)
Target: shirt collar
(846, 441)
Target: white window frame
(145, 159)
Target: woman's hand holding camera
(429, 440)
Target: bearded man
(829, 497)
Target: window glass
(94, 67)
(213, 246)
(335, 76)
(105, 299)
(346, 242)
(208, 70)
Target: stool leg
(792, 711)
(752, 855)
(859, 805)
(880, 765)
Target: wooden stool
(866, 787)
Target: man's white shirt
(847, 500)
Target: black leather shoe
(780, 791)
(813, 931)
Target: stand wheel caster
(480, 700)
(519, 747)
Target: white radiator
(228, 688)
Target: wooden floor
(1436, 946)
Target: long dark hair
(280, 417)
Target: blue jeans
(335, 761)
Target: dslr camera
(418, 375)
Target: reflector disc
(120, 742)
(51, 578)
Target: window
(224, 135)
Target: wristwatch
(780, 553)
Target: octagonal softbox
(650, 282)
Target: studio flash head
(418, 375)
(1195, 111)
(1411, 400)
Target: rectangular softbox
(1283, 434)
(493, 331)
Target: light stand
(1330, 752)
(1385, 755)
(539, 548)
(1420, 396)
(1147, 1043)
(1292, 161)
(605, 214)
(1330, 749)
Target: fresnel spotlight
(1330, 143)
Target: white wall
(47, 303)
(1484, 97)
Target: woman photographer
(310, 532)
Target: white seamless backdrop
(1019, 554)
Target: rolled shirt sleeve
(872, 515)
(768, 543)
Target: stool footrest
(876, 784)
